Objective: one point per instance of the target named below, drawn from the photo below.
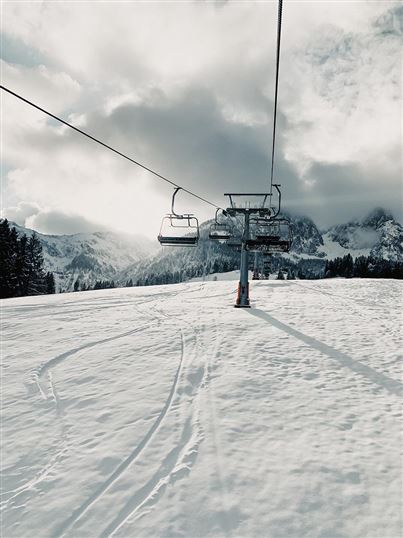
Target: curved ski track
(51, 393)
(177, 462)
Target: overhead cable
(160, 176)
(279, 17)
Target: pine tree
(76, 285)
(8, 258)
(301, 275)
(280, 275)
(36, 275)
(23, 266)
(50, 283)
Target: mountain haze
(90, 256)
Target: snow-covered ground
(213, 277)
(165, 412)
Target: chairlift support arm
(277, 187)
(173, 201)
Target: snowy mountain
(307, 238)
(107, 255)
(378, 234)
(165, 412)
(90, 256)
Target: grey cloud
(21, 212)
(188, 135)
(390, 22)
(15, 51)
(348, 190)
(58, 223)
(188, 139)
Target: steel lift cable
(279, 18)
(160, 176)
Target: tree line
(363, 267)
(21, 264)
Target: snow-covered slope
(90, 256)
(164, 411)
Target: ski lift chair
(271, 236)
(220, 231)
(179, 230)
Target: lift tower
(246, 209)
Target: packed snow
(164, 411)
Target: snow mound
(164, 411)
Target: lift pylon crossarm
(265, 195)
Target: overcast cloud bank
(187, 89)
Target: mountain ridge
(107, 255)
(89, 256)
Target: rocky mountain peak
(376, 218)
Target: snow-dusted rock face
(90, 256)
(307, 239)
(378, 234)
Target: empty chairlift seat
(220, 231)
(271, 236)
(179, 230)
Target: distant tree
(280, 275)
(348, 265)
(363, 267)
(301, 274)
(50, 283)
(21, 264)
(8, 255)
(36, 283)
(76, 285)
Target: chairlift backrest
(179, 230)
(219, 231)
(271, 236)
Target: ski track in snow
(131, 458)
(191, 402)
(175, 463)
(50, 392)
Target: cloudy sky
(186, 87)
